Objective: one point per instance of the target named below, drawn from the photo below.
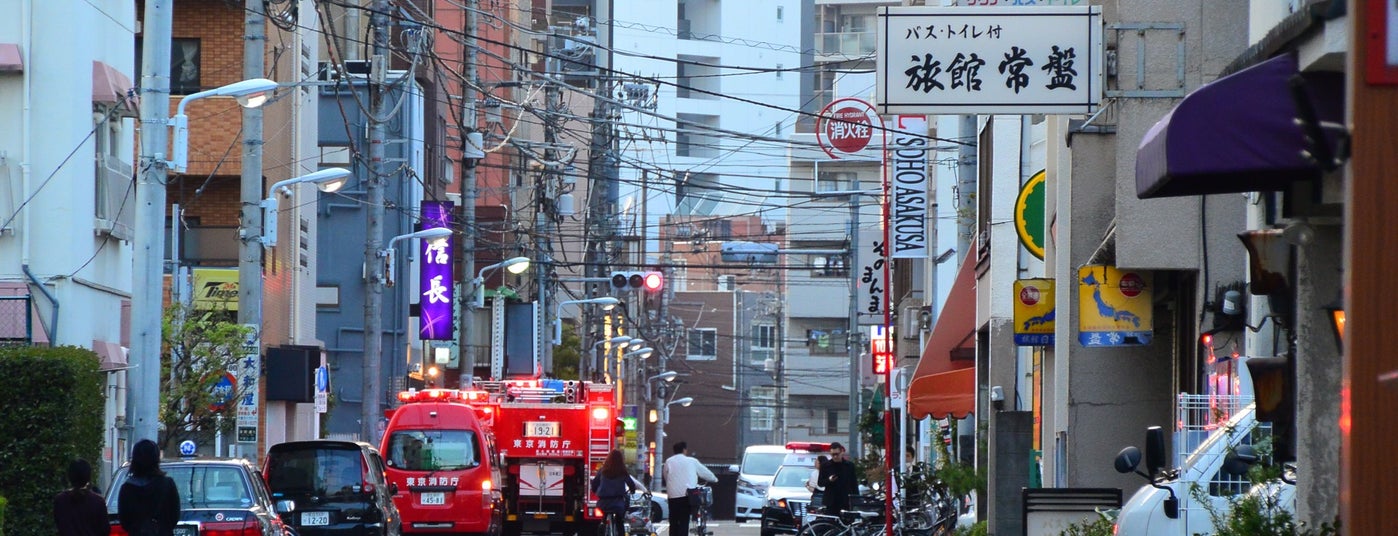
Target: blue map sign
(223, 391)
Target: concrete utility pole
(251, 193)
(373, 242)
(852, 336)
(149, 242)
(466, 357)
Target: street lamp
(516, 265)
(668, 376)
(327, 180)
(387, 253)
(660, 431)
(642, 352)
(607, 303)
(250, 94)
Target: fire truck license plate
(540, 429)
(433, 497)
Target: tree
(566, 356)
(201, 348)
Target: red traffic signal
(654, 281)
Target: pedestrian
(682, 473)
(78, 511)
(148, 503)
(813, 484)
(839, 479)
(613, 486)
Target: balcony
(115, 213)
(842, 45)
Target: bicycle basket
(702, 496)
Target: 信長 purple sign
(435, 318)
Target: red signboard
(846, 126)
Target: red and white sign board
(847, 126)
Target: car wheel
(656, 515)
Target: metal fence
(16, 321)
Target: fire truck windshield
(433, 450)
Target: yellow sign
(216, 289)
(1034, 312)
(1114, 306)
(1029, 214)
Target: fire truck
(552, 436)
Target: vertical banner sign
(1114, 307)
(249, 369)
(1034, 312)
(989, 60)
(437, 284)
(869, 273)
(910, 189)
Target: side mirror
(1128, 459)
(284, 506)
(733, 468)
(1240, 460)
(1155, 450)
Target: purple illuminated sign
(436, 283)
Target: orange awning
(945, 380)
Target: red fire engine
(552, 443)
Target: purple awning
(1238, 134)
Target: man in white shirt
(681, 474)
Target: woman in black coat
(148, 503)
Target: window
(433, 450)
(679, 276)
(828, 266)
(703, 344)
(834, 419)
(762, 408)
(184, 66)
(778, 72)
(831, 181)
(826, 341)
(779, 13)
(764, 336)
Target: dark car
(337, 487)
(217, 498)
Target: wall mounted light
(1336, 314)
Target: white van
(760, 463)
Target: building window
(778, 72)
(826, 341)
(703, 344)
(834, 419)
(762, 408)
(184, 66)
(764, 336)
(780, 13)
(832, 181)
(829, 266)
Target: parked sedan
(217, 497)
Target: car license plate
(186, 530)
(433, 497)
(541, 429)
(315, 519)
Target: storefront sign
(1034, 312)
(1029, 215)
(1114, 307)
(215, 289)
(249, 370)
(869, 273)
(989, 60)
(908, 215)
(436, 283)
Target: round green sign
(1029, 214)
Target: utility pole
(373, 298)
(149, 242)
(466, 356)
(250, 239)
(852, 336)
(542, 186)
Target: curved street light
(668, 376)
(607, 303)
(388, 253)
(250, 94)
(515, 265)
(642, 352)
(327, 180)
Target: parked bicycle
(701, 500)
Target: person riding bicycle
(613, 486)
(682, 473)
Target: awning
(945, 380)
(110, 87)
(1239, 133)
(113, 355)
(10, 59)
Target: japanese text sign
(846, 127)
(1034, 312)
(989, 60)
(436, 287)
(1114, 307)
(869, 273)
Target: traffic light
(650, 281)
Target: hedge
(54, 399)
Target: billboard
(1114, 306)
(1034, 312)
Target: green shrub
(2, 515)
(1097, 526)
(981, 528)
(54, 401)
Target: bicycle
(701, 499)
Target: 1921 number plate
(541, 429)
(315, 519)
(432, 498)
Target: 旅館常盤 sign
(989, 60)
(437, 282)
(1114, 306)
